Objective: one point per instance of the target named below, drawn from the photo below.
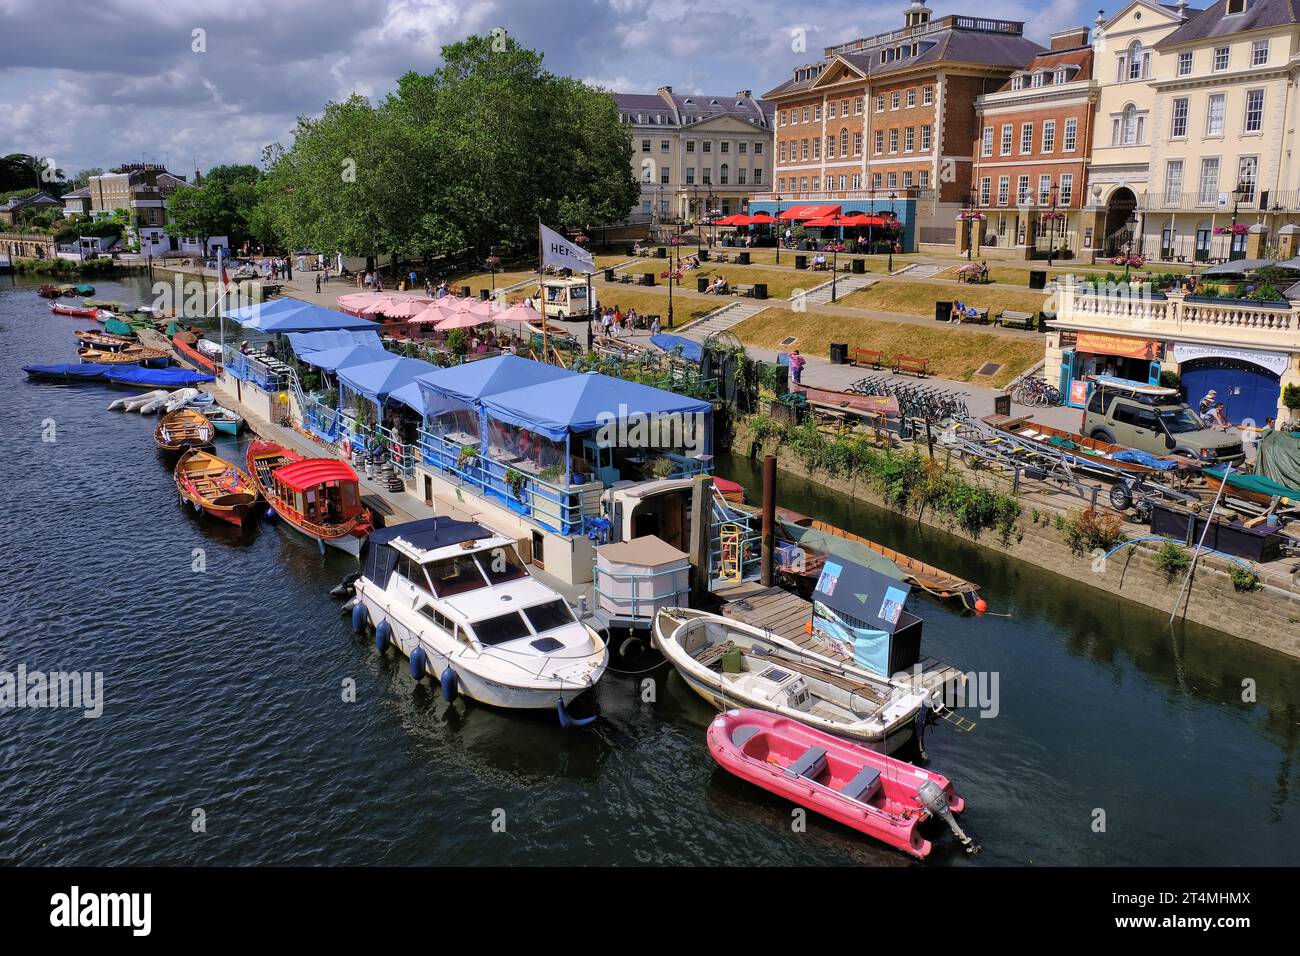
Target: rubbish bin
(484, 294)
(839, 353)
(1043, 318)
(1037, 278)
(742, 258)
(760, 290)
(609, 275)
(647, 278)
(661, 252)
(701, 284)
(859, 266)
(942, 311)
(704, 255)
(801, 262)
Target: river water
(227, 735)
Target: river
(243, 723)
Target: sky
(185, 83)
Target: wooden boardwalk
(786, 614)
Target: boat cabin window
(442, 620)
(501, 564)
(413, 571)
(500, 629)
(548, 616)
(456, 575)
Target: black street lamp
(1239, 193)
(1051, 219)
(776, 228)
(699, 220)
(894, 216)
(837, 246)
(970, 215)
(1131, 222)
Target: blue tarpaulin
(279, 316)
(304, 342)
(691, 350)
(584, 402)
(377, 380)
(331, 360)
(156, 377)
(80, 371)
(1136, 457)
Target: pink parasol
(461, 320)
(520, 313)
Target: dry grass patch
(918, 298)
(954, 354)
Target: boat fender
(383, 634)
(981, 605)
(349, 606)
(633, 646)
(419, 664)
(448, 682)
(568, 722)
(360, 617)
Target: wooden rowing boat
(321, 497)
(126, 355)
(934, 580)
(215, 486)
(105, 341)
(74, 311)
(1080, 449)
(877, 795)
(183, 429)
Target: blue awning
(291, 315)
(691, 350)
(377, 380)
(304, 342)
(585, 402)
(331, 360)
(410, 396)
(472, 381)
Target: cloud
(114, 81)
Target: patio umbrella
(461, 320)
(1237, 267)
(405, 308)
(520, 313)
(435, 312)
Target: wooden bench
(720, 257)
(919, 367)
(1009, 317)
(871, 357)
(745, 290)
(975, 313)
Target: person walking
(318, 283)
(797, 362)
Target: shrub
(1089, 530)
(1244, 579)
(1172, 558)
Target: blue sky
(113, 81)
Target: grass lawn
(953, 354)
(918, 298)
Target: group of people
(614, 322)
(278, 268)
(718, 286)
(1212, 411)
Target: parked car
(1156, 420)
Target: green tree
(222, 204)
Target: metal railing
(750, 544)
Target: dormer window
(1017, 82)
(1060, 75)
(1037, 80)
(1236, 6)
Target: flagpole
(541, 287)
(221, 294)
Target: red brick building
(1031, 148)
(885, 122)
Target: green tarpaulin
(1279, 460)
(821, 543)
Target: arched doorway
(1119, 207)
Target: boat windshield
(548, 616)
(501, 564)
(451, 576)
(500, 629)
(1180, 420)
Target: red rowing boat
(73, 310)
(874, 794)
(321, 497)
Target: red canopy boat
(186, 349)
(74, 310)
(874, 794)
(321, 497)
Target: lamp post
(492, 262)
(836, 248)
(1239, 192)
(970, 215)
(699, 220)
(674, 272)
(1050, 195)
(776, 228)
(1131, 222)
(894, 216)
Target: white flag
(560, 253)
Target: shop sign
(1097, 344)
(1275, 362)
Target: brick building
(885, 122)
(1031, 150)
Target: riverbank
(73, 267)
(1269, 616)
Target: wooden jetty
(786, 614)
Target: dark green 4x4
(1156, 420)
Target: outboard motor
(345, 587)
(935, 800)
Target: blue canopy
(304, 342)
(331, 360)
(156, 377)
(691, 350)
(475, 380)
(585, 402)
(410, 396)
(279, 316)
(377, 380)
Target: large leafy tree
(463, 160)
(23, 171)
(223, 204)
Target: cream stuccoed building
(696, 153)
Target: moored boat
(321, 497)
(49, 292)
(186, 345)
(74, 310)
(137, 376)
(457, 599)
(66, 372)
(85, 288)
(215, 486)
(224, 419)
(1080, 450)
(126, 355)
(93, 338)
(879, 796)
(183, 429)
(731, 664)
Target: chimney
(1182, 9)
(744, 94)
(918, 14)
(665, 91)
(1070, 39)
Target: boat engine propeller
(935, 800)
